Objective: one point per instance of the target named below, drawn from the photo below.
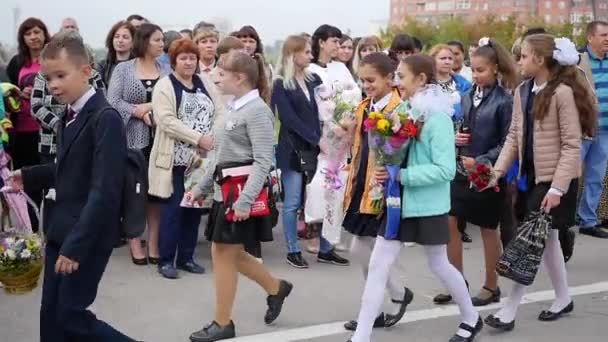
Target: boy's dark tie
(70, 115)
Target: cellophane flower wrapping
(481, 176)
(389, 136)
(337, 104)
(19, 253)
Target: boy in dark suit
(88, 177)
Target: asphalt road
(147, 307)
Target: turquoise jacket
(431, 166)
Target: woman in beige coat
(551, 112)
(184, 110)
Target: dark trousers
(178, 226)
(64, 316)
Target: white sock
(553, 258)
(437, 257)
(383, 256)
(509, 310)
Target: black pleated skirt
(482, 209)
(247, 232)
(429, 230)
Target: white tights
(553, 260)
(383, 256)
(361, 250)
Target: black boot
(275, 302)
(214, 332)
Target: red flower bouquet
(481, 177)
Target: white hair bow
(484, 41)
(565, 52)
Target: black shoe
(296, 260)
(496, 323)
(275, 302)
(138, 262)
(493, 298)
(442, 299)
(594, 231)
(332, 257)
(566, 239)
(213, 332)
(192, 267)
(168, 271)
(473, 330)
(466, 238)
(548, 316)
(153, 261)
(394, 319)
(380, 322)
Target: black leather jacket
(488, 123)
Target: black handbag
(303, 160)
(522, 257)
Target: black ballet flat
(549, 316)
(493, 298)
(154, 261)
(473, 330)
(380, 322)
(445, 298)
(391, 320)
(496, 323)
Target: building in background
(552, 11)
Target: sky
(274, 19)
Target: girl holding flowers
(363, 214)
(486, 111)
(425, 177)
(551, 112)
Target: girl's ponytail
(262, 81)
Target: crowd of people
(537, 113)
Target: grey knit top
(247, 134)
(126, 91)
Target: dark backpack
(134, 192)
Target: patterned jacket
(48, 111)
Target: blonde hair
(206, 33)
(228, 44)
(286, 68)
(365, 42)
(254, 69)
(438, 48)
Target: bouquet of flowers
(389, 136)
(20, 262)
(480, 177)
(336, 110)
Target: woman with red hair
(184, 112)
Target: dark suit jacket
(300, 126)
(88, 179)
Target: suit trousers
(64, 314)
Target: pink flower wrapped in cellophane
(336, 111)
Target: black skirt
(363, 225)
(482, 209)
(247, 232)
(429, 230)
(563, 216)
